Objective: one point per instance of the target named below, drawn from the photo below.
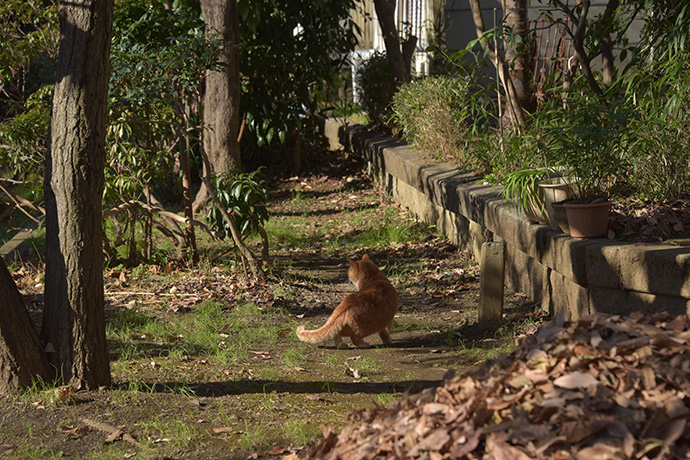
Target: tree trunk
(21, 357)
(222, 95)
(74, 317)
(607, 58)
(385, 11)
(190, 237)
(519, 53)
(296, 160)
(497, 59)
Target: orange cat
(369, 310)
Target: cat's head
(360, 269)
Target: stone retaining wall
(562, 273)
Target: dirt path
(205, 366)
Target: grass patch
(300, 433)
(256, 437)
(176, 434)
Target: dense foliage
(433, 113)
(244, 195)
(28, 50)
(376, 87)
(291, 54)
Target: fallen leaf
(277, 450)
(223, 429)
(575, 380)
(113, 436)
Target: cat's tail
(326, 332)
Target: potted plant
(556, 189)
(522, 192)
(587, 141)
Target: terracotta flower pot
(590, 220)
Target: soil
(193, 406)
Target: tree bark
(498, 60)
(608, 60)
(519, 53)
(222, 94)
(74, 317)
(385, 11)
(22, 359)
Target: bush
(660, 152)
(432, 114)
(661, 157)
(377, 88)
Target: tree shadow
(260, 386)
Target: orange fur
(369, 310)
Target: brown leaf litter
(603, 387)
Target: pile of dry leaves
(651, 221)
(604, 387)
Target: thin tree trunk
(498, 60)
(608, 60)
(236, 237)
(187, 190)
(519, 53)
(22, 359)
(579, 20)
(222, 93)
(74, 316)
(385, 11)
(296, 160)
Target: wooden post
(492, 266)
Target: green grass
(293, 358)
(300, 433)
(33, 452)
(176, 434)
(256, 437)
(366, 366)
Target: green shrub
(377, 88)
(661, 157)
(431, 114)
(660, 151)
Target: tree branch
(162, 212)
(237, 238)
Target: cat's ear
(352, 262)
(365, 257)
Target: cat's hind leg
(385, 334)
(359, 342)
(339, 343)
(385, 337)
